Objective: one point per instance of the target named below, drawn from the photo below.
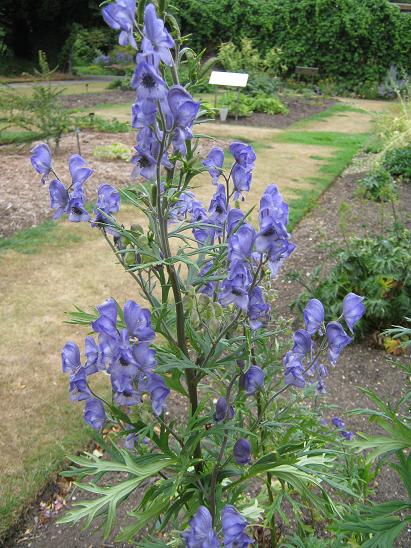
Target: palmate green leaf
(111, 496)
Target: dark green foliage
(101, 124)
(262, 83)
(378, 268)
(398, 162)
(346, 39)
(378, 185)
(244, 105)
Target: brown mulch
(298, 107)
(24, 201)
(361, 365)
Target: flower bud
(137, 228)
(242, 451)
(195, 319)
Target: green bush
(98, 123)
(348, 40)
(244, 105)
(123, 84)
(378, 268)
(262, 83)
(114, 151)
(398, 162)
(267, 104)
(246, 57)
(378, 186)
(88, 44)
(238, 105)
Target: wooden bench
(404, 6)
(309, 72)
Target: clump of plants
(114, 151)
(40, 112)
(378, 267)
(98, 123)
(244, 105)
(397, 162)
(208, 393)
(378, 185)
(245, 57)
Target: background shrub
(378, 268)
(378, 185)
(353, 41)
(397, 162)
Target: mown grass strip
(346, 147)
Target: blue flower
(337, 422)
(148, 83)
(293, 370)
(158, 393)
(41, 160)
(242, 451)
(107, 321)
(337, 340)
(201, 533)
(214, 163)
(59, 198)
(313, 316)
(138, 321)
(302, 343)
(234, 525)
(79, 173)
(108, 202)
(241, 180)
(78, 386)
(258, 309)
(234, 289)
(145, 163)
(240, 244)
(235, 218)
(243, 154)
(70, 357)
(253, 379)
(182, 106)
(222, 412)
(156, 38)
(353, 309)
(119, 15)
(217, 211)
(94, 413)
(143, 114)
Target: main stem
(175, 286)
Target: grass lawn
(49, 269)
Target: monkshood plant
(205, 408)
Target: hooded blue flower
(70, 357)
(214, 162)
(107, 321)
(234, 289)
(182, 106)
(78, 386)
(337, 422)
(302, 343)
(147, 82)
(158, 393)
(59, 198)
(119, 15)
(258, 309)
(156, 38)
(242, 451)
(217, 212)
(235, 218)
(108, 202)
(222, 411)
(293, 370)
(41, 160)
(240, 244)
(243, 154)
(78, 170)
(143, 114)
(234, 525)
(145, 164)
(94, 413)
(253, 379)
(200, 533)
(241, 180)
(337, 340)
(313, 316)
(353, 309)
(138, 321)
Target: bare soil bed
(298, 107)
(362, 365)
